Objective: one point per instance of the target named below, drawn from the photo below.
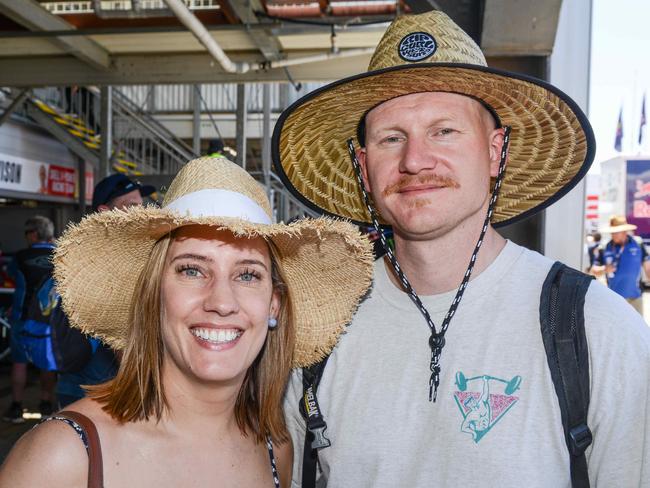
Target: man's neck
(438, 265)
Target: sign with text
(40, 179)
(638, 195)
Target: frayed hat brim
(98, 262)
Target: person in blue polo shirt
(622, 259)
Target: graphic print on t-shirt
(482, 409)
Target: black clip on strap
(316, 424)
(581, 438)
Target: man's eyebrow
(390, 126)
(253, 261)
(198, 257)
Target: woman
(211, 305)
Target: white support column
(569, 70)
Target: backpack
(49, 341)
(561, 314)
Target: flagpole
(633, 103)
(642, 124)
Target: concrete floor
(9, 433)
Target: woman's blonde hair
(137, 393)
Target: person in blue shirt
(115, 191)
(29, 269)
(622, 260)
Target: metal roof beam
(30, 14)
(163, 68)
(265, 41)
(421, 6)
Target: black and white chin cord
(437, 339)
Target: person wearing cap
(212, 304)
(444, 149)
(216, 148)
(116, 191)
(119, 191)
(622, 260)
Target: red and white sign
(39, 178)
(61, 181)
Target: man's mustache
(430, 179)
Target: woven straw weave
(97, 262)
(550, 142)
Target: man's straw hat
(327, 264)
(551, 148)
(618, 223)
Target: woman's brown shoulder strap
(90, 437)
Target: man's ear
(362, 158)
(496, 139)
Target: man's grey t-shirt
(386, 433)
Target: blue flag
(618, 141)
(642, 123)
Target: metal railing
(220, 97)
(140, 144)
(92, 6)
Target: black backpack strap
(315, 433)
(563, 331)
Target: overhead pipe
(281, 63)
(189, 20)
(197, 28)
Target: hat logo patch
(417, 46)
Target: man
(113, 192)
(118, 191)
(622, 260)
(216, 148)
(593, 250)
(431, 125)
(30, 267)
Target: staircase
(141, 144)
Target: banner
(40, 179)
(638, 196)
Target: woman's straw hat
(551, 147)
(327, 264)
(618, 223)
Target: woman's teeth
(216, 336)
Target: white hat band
(220, 203)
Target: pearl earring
(273, 323)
